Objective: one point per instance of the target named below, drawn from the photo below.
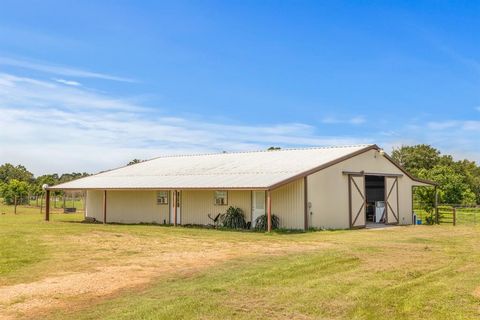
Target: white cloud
(459, 138)
(51, 127)
(356, 120)
(68, 82)
(59, 70)
(23, 92)
(442, 125)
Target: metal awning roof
(237, 170)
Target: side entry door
(258, 205)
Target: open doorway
(375, 199)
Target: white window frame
(220, 198)
(162, 199)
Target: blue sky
(89, 85)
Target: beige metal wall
(288, 204)
(328, 190)
(127, 207)
(197, 204)
(327, 197)
(94, 204)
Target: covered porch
(195, 206)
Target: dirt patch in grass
(476, 293)
(123, 261)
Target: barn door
(357, 200)
(391, 200)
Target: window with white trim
(221, 198)
(162, 197)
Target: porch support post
(104, 206)
(47, 205)
(175, 208)
(436, 205)
(269, 211)
(305, 203)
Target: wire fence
(447, 214)
(73, 202)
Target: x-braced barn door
(357, 200)
(391, 200)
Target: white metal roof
(237, 170)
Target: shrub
(430, 218)
(262, 224)
(233, 218)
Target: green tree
(8, 171)
(451, 188)
(13, 191)
(468, 198)
(415, 158)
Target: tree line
(458, 181)
(18, 185)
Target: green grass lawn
(66, 269)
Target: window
(162, 197)
(221, 198)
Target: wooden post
(84, 204)
(47, 205)
(454, 216)
(175, 208)
(269, 211)
(104, 206)
(436, 206)
(305, 203)
(41, 203)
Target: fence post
(454, 216)
(436, 205)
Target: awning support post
(175, 208)
(47, 205)
(104, 206)
(269, 211)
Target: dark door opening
(375, 199)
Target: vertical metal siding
(288, 204)
(127, 206)
(197, 204)
(328, 190)
(135, 207)
(94, 206)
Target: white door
(258, 205)
(172, 206)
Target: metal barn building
(332, 187)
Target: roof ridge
(257, 151)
